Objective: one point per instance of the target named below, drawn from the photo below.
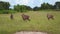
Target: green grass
(39, 22)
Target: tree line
(24, 8)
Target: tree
(28, 8)
(4, 5)
(57, 5)
(36, 8)
(46, 6)
(21, 8)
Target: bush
(6, 11)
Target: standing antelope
(25, 17)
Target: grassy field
(39, 22)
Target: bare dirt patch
(30, 32)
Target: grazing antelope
(49, 16)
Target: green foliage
(46, 6)
(6, 11)
(57, 5)
(4, 5)
(36, 8)
(21, 8)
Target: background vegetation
(4, 7)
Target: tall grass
(39, 22)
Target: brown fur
(11, 16)
(49, 16)
(25, 17)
